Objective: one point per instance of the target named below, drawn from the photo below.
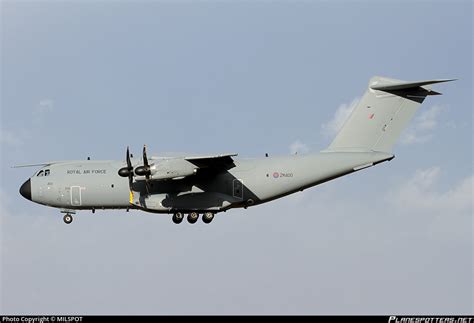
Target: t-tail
(384, 111)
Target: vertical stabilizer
(384, 111)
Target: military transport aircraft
(210, 184)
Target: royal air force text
(86, 171)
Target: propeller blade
(147, 186)
(145, 159)
(130, 180)
(130, 169)
(129, 162)
(147, 168)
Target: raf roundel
(276, 175)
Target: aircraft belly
(190, 201)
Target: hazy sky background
(89, 78)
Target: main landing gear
(193, 217)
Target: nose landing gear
(68, 216)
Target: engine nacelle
(172, 168)
(142, 171)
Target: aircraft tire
(193, 217)
(67, 218)
(178, 217)
(207, 217)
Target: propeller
(128, 170)
(144, 170)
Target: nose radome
(25, 190)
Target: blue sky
(89, 78)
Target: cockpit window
(43, 172)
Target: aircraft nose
(25, 190)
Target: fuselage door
(238, 190)
(76, 196)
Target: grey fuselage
(76, 185)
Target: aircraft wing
(181, 167)
(218, 162)
(48, 163)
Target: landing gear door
(76, 196)
(238, 189)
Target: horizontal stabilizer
(389, 85)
